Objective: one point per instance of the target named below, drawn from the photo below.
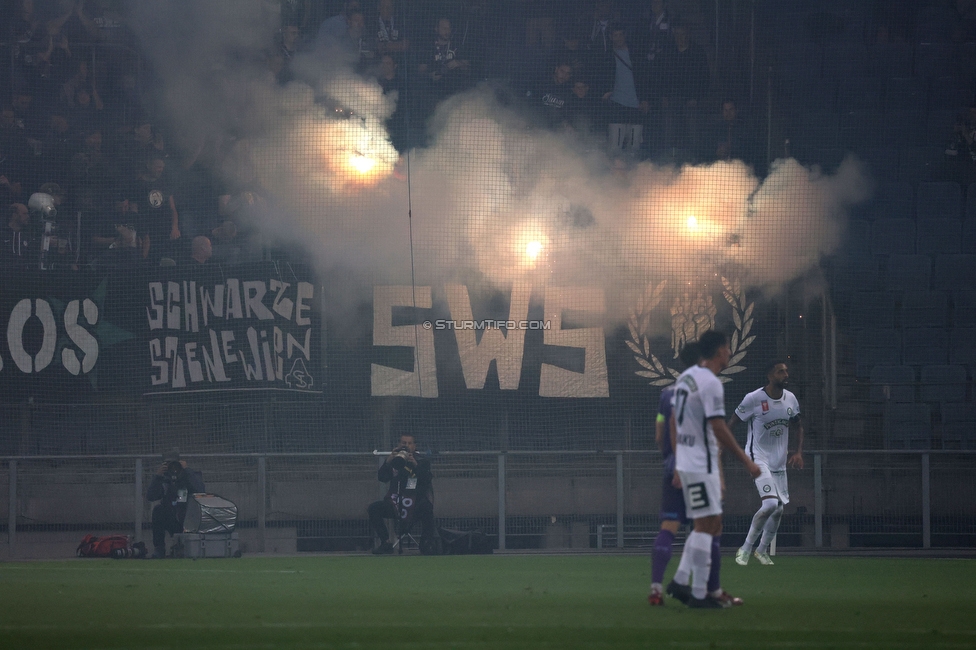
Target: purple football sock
(713, 580)
(661, 555)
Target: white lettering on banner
(15, 335)
(212, 303)
(422, 380)
(87, 344)
(154, 312)
(282, 305)
(507, 351)
(207, 355)
(559, 382)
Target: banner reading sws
(241, 328)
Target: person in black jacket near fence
(172, 486)
(408, 499)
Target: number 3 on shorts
(697, 495)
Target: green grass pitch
(506, 601)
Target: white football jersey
(768, 420)
(698, 397)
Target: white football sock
(766, 508)
(683, 575)
(699, 547)
(769, 530)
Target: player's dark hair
(710, 342)
(689, 355)
(771, 366)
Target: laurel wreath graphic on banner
(660, 374)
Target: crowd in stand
(79, 122)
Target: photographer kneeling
(172, 487)
(409, 498)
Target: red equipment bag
(92, 546)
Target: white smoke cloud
(492, 198)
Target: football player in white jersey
(699, 417)
(771, 412)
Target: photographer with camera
(171, 486)
(409, 498)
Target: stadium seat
(964, 308)
(908, 273)
(813, 93)
(846, 61)
(939, 200)
(860, 129)
(970, 210)
(939, 127)
(860, 93)
(893, 236)
(903, 128)
(939, 236)
(907, 95)
(953, 271)
(818, 129)
(907, 426)
(854, 273)
(890, 60)
(965, 56)
(876, 347)
(950, 93)
(891, 200)
(882, 161)
(873, 309)
(825, 158)
(917, 164)
(968, 241)
(801, 58)
(933, 24)
(857, 239)
(931, 59)
(962, 346)
(959, 426)
(924, 309)
(892, 384)
(942, 383)
(925, 345)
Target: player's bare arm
(734, 420)
(727, 440)
(795, 460)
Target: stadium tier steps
(902, 287)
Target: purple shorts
(672, 502)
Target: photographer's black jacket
(165, 490)
(398, 479)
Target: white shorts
(773, 484)
(702, 492)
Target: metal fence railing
(317, 501)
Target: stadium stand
(953, 271)
(894, 236)
(964, 308)
(892, 384)
(943, 383)
(924, 309)
(907, 426)
(962, 346)
(959, 426)
(908, 272)
(937, 236)
(925, 345)
(939, 200)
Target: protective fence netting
(278, 234)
